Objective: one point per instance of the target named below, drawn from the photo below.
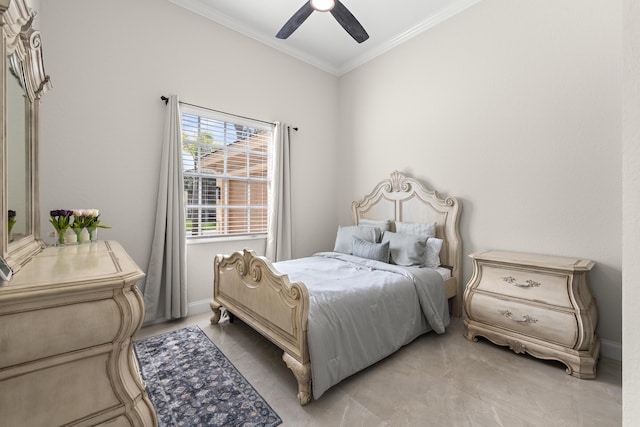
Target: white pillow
(432, 258)
(406, 249)
(345, 235)
(416, 228)
(383, 225)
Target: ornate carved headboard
(401, 198)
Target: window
(226, 173)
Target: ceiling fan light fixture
(337, 9)
(323, 5)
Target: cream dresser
(538, 304)
(67, 319)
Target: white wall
(35, 5)
(631, 219)
(514, 107)
(102, 123)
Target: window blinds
(226, 174)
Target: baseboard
(199, 307)
(611, 349)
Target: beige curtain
(279, 227)
(165, 293)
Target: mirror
(18, 168)
(22, 71)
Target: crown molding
(204, 9)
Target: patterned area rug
(192, 383)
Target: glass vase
(70, 236)
(78, 232)
(93, 234)
(83, 237)
(60, 237)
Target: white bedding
(361, 311)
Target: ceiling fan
(337, 9)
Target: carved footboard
(250, 288)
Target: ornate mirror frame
(21, 56)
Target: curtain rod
(166, 101)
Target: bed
(298, 304)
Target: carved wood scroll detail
(398, 182)
(517, 347)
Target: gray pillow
(374, 251)
(432, 252)
(406, 249)
(345, 234)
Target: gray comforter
(361, 311)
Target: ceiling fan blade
(295, 21)
(349, 22)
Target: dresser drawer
(37, 334)
(559, 327)
(544, 287)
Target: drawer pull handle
(527, 284)
(525, 319)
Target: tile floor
(437, 380)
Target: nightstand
(536, 304)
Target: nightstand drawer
(547, 288)
(550, 325)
